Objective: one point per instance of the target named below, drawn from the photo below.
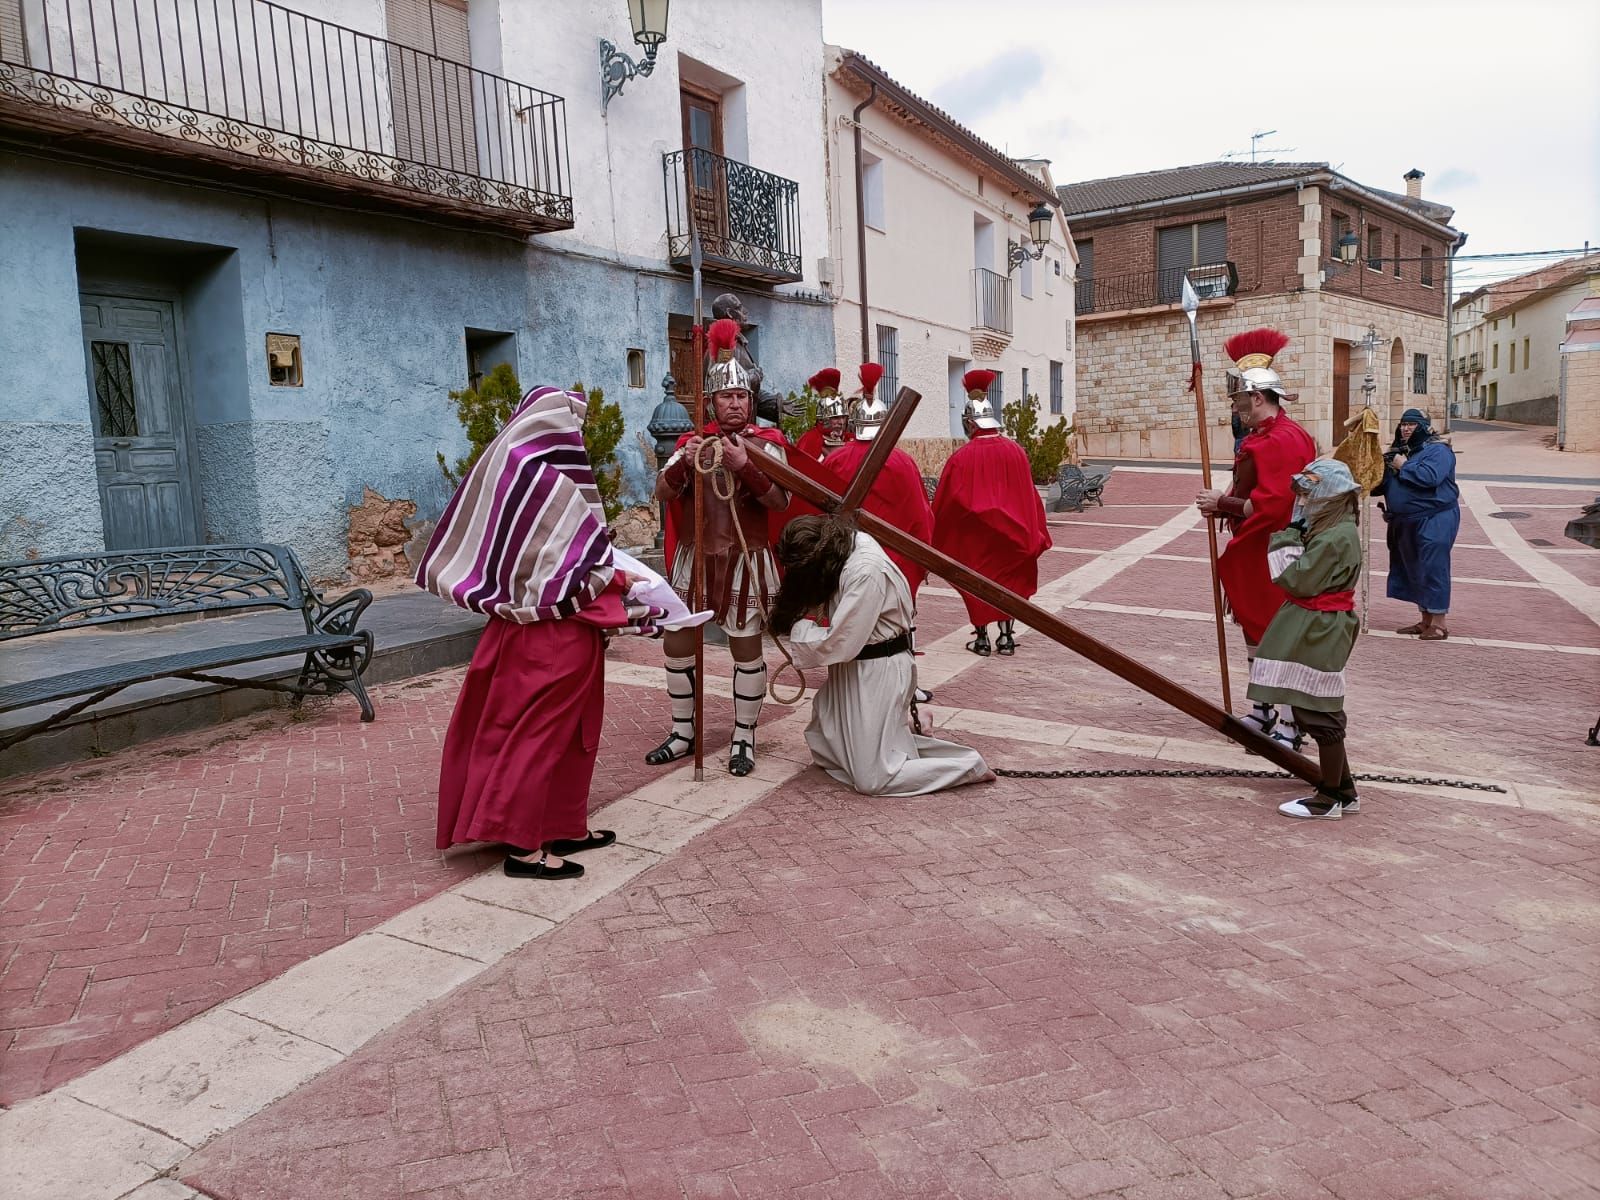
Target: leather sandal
(1433, 633)
(562, 847)
(980, 644)
(742, 754)
(664, 753)
(1006, 642)
(1412, 630)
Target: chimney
(1413, 184)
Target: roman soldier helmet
(825, 383)
(724, 372)
(978, 413)
(870, 412)
(1252, 354)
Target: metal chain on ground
(1231, 773)
(711, 466)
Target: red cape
(681, 508)
(810, 443)
(987, 515)
(1278, 448)
(897, 496)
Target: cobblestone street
(234, 966)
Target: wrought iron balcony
(1475, 361)
(748, 220)
(1146, 289)
(261, 95)
(991, 301)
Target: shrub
(1046, 448)
(805, 400)
(483, 412)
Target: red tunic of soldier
(897, 494)
(829, 431)
(987, 514)
(1261, 499)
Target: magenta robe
(521, 747)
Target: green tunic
(1302, 655)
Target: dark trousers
(1323, 728)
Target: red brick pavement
(257, 847)
(1037, 989)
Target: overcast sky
(1498, 102)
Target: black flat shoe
(518, 869)
(665, 753)
(562, 847)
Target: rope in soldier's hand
(724, 488)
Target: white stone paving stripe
(1557, 580)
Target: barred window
(889, 360)
(1419, 374)
(1056, 388)
(1427, 266)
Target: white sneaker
(1315, 807)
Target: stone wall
(1583, 400)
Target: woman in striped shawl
(524, 542)
(1300, 663)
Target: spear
(1191, 309)
(697, 574)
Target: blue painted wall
(381, 305)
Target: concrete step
(414, 633)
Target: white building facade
(945, 293)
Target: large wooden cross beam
(1007, 601)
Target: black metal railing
(991, 300)
(748, 220)
(265, 82)
(1144, 289)
(1475, 361)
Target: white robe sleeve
(860, 602)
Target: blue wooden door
(141, 427)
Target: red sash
(1327, 602)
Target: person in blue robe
(1423, 508)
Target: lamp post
(669, 422)
(649, 21)
(1040, 221)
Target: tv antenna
(1256, 148)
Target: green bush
(1046, 448)
(795, 426)
(483, 412)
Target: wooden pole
(1045, 622)
(1197, 386)
(697, 575)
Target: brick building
(1259, 242)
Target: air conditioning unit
(825, 271)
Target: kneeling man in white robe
(845, 606)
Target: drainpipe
(861, 223)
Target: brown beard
(812, 551)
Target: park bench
(45, 596)
(1079, 486)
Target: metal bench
(48, 595)
(1078, 487)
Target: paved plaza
(234, 966)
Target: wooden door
(680, 348)
(141, 426)
(705, 171)
(1341, 389)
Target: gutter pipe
(861, 222)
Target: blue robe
(1424, 515)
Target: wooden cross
(1007, 601)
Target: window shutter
(433, 103)
(1174, 247)
(1085, 259)
(11, 48)
(1211, 242)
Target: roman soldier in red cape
(897, 494)
(740, 577)
(1261, 499)
(828, 433)
(987, 514)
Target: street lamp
(649, 21)
(1040, 222)
(1348, 248)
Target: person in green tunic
(1300, 662)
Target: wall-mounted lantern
(1040, 222)
(649, 21)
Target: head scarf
(1325, 493)
(524, 537)
(1420, 434)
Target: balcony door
(704, 178)
(431, 84)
